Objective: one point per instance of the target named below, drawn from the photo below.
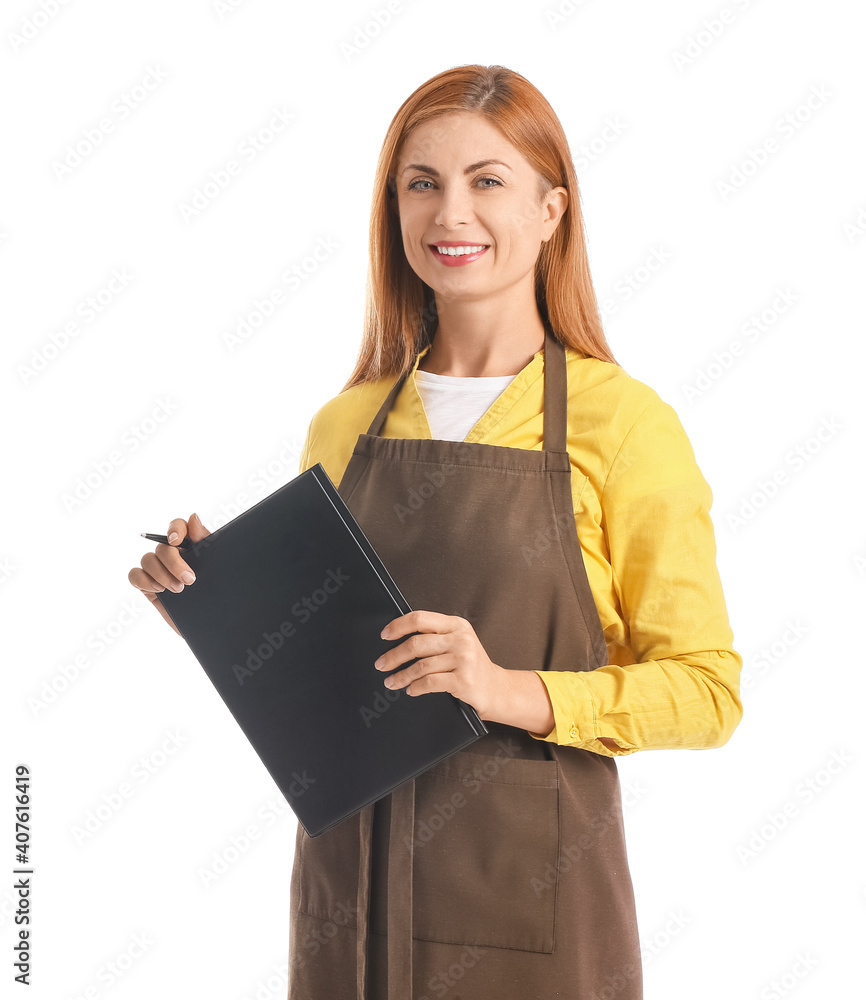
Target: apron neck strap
(378, 421)
(555, 396)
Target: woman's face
(448, 195)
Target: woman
(544, 514)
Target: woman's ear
(555, 202)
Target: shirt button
(573, 732)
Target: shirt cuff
(575, 722)
(565, 728)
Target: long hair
(400, 311)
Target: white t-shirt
(454, 403)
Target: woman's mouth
(457, 254)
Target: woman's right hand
(165, 567)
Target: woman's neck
(489, 346)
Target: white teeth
(459, 251)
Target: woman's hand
(450, 658)
(165, 567)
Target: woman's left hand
(450, 658)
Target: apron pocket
(486, 848)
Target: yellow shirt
(642, 514)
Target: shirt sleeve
(683, 689)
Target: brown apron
(501, 872)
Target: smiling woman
(555, 541)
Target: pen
(185, 544)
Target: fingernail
(188, 577)
(384, 633)
(172, 536)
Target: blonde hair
(400, 311)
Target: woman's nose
(454, 208)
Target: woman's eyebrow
(473, 166)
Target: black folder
(284, 617)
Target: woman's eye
(414, 186)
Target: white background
(747, 860)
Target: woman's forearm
(522, 701)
